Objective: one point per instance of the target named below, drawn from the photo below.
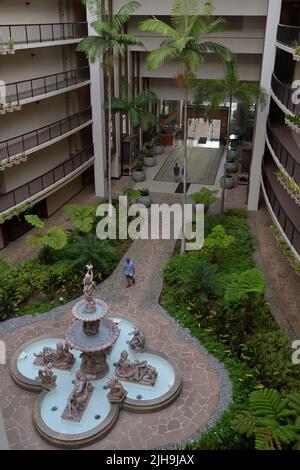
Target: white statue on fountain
(88, 290)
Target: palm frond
(101, 27)
(159, 56)
(153, 25)
(123, 15)
(93, 46)
(214, 26)
(212, 47)
(129, 40)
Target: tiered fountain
(107, 354)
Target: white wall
(17, 12)
(36, 165)
(32, 116)
(222, 7)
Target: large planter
(149, 161)
(158, 149)
(232, 167)
(167, 139)
(232, 155)
(138, 175)
(145, 200)
(229, 182)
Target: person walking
(176, 171)
(129, 269)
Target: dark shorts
(129, 277)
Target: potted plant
(138, 173)
(158, 147)
(293, 122)
(10, 108)
(17, 106)
(206, 197)
(231, 167)
(3, 51)
(132, 195)
(229, 181)
(10, 46)
(145, 197)
(296, 53)
(149, 158)
(2, 108)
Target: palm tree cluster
(185, 41)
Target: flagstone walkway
(206, 391)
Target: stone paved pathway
(206, 389)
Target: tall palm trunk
(185, 131)
(109, 143)
(226, 152)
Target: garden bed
(219, 295)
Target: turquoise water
(98, 408)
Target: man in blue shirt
(129, 270)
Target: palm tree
(217, 92)
(109, 43)
(136, 107)
(185, 42)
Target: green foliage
(286, 250)
(35, 221)
(82, 218)
(132, 194)
(217, 242)
(205, 196)
(139, 166)
(54, 237)
(273, 420)
(240, 286)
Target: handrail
(284, 156)
(291, 232)
(285, 95)
(17, 91)
(44, 32)
(288, 35)
(24, 142)
(30, 189)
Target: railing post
(40, 30)
(26, 34)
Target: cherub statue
(78, 400)
(60, 358)
(117, 391)
(137, 343)
(88, 290)
(47, 377)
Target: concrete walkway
(206, 391)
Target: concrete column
(116, 159)
(273, 19)
(97, 100)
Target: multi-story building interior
(47, 149)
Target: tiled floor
(201, 384)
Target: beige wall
(222, 7)
(63, 195)
(249, 67)
(37, 164)
(31, 64)
(17, 12)
(32, 116)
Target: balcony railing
(25, 89)
(291, 232)
(284, 93)
(284, 156)
(39, 33)
(25, 142)
(45, 181)
(288, 35)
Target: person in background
(176, 171)
(129, 269)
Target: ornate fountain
(74, 407)
(91, 333)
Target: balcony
(42, 35)
(15, 149)
(282, 145)
(287, 36)
(282, 94)
(44, 184)
(39, 88)
(285, 211)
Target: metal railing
(22, 143)
(47, 32)
(291, 232)
(284, 93)
(284, 156)
(288, 35)
(28, 190)
(25, 89)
